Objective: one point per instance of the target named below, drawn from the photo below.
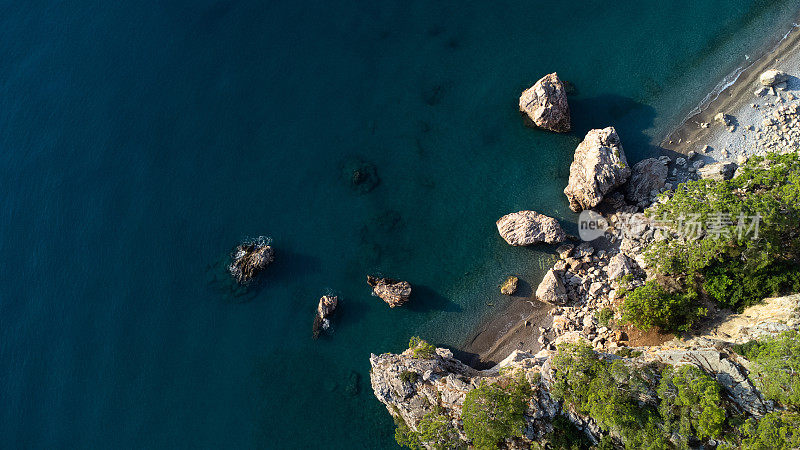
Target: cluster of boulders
(780, 131)
(250, 258)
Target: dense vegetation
(493, 412)
(776, 368)
(736, 241)
(775, 431)
(631, 403)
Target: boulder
(718, 171)
(509, 286)
(648, 175)
(327, 304)
(551, 289)
(598, 167)
(725, 119)
(772, 77)
(545, 104)
(393, 292)
(618, 266)
(530, 227)
(249, 259)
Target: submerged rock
(361, 175)
(598, 167)
(393, 292)
(648, 175)
(551, 289)
(545, 104)
(327, 304)
(530, 227)
(250, 258)
(772, 77)
(509, 286)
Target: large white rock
(551, 289)
(545, 104)
(530, 227)
(598, 167)
(772, 77)
(648, 175)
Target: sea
(141, 141)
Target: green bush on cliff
(690, 402)
(420, 348)
(776, 368)
(651, 305)
(750, 244)
(775, 431)
(493, 412)
(437, 431)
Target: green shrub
(408, 376)
(604, 317)
(566, 436)
(690, 403)
(493, 412)
(651, 305)
(437, 431)
(625, 352)
(776, 368)
(738, 267)
(775, 431)
(403, 434)
(420, 348)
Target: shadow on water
(472, 359)
(629, 117)
(424, 299)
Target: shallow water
(141, 143)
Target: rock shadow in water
(425, 299)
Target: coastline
(518, 326)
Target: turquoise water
(141, 142)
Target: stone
(760, 92)
(718, 171)
(393, 292)
(564, 250)
(618, 266)
(772, 77)
(599, 166)
(691, 154)
(545, 104)
(724, 119)
(250, 258)
(509, 286)
(647, 175)
(551, 289)
(327, 304)
(530, 227)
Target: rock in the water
(393, 292)
(648, 175)
(551, 289)
(598, 167)
(772, 77)
(327, 304)
(545, 104)
(718, 171)
(250, 258)
(361, 175)
(509, 286)
(530, 227)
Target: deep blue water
(141, 141)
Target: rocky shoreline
(585, 285)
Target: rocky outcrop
(509, 286)
(618, 266)
(413, 387)
(250, 258)
(393, 292)
(530, 227)
(327, 304)
(598, 167)
(545, 104)
(770, 318)
(551, 289)
(772, 77)
(718, 171)
(647, 179)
